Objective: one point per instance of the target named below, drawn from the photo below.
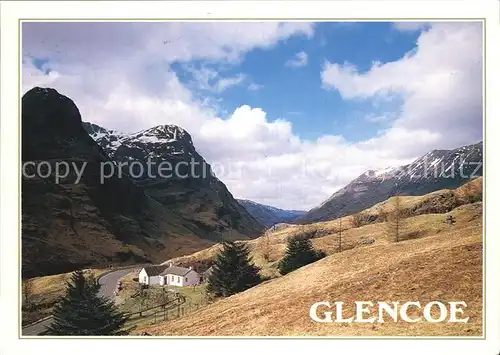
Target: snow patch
(383, 171)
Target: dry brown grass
(434, 262)
(51, 287)
(373, 234)
(445, 267)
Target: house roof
(175, 270)
(154, 270)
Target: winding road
(109, 281)
(108, 284)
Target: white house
(179, 276)
(169, 275)
(150, 275)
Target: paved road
(109, 281)
(108, 286)
(36, 329)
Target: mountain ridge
(192, 189)
(97, 222)
(269, 215)
(433, 171)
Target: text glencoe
(379, 312)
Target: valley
(68, 226)
(268, 215)
(436, 262)
(247, 177)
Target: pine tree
(233, 270)
(83, 312)
(299, 252)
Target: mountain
(268, 215)
(178, 178)
(439, 169)
(80, 219)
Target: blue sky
(296, 93)
(290, 112)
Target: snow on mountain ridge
(165, 136)
(384, 171)
(438, 169)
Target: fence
(177, 302)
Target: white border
(10, 13)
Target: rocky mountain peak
(156, 142)
(46, 110)
(438, 169)
(190, 186)
(170, 133)
(54, 126)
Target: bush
(357, 220)
(476, 198)
(299, 252)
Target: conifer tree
(299, 252)
(83, 312)
(233, 270)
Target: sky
(286, 113)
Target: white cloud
(255, 87)
(300, 60)
(440, 83)
(225, 83)
(91, 43)
(384, 117)
(410, 26)
(121, 78)
(210, 80)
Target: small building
(168, 275)
(150, 275)
(179, 276)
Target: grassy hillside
(435, 261)
(426, 218)
(444, 264)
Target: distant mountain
(179, 178)
(95, 222)
(268, 215)
(436, 170)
